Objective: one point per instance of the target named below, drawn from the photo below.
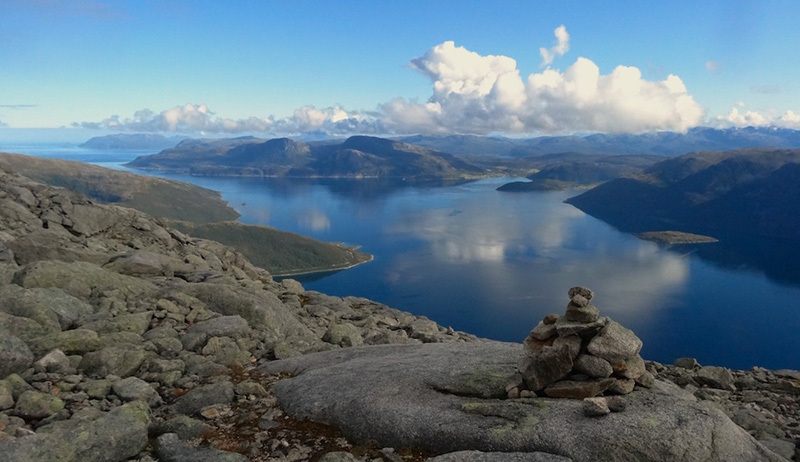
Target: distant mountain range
(660, 143)
(558, 162)
(754, 192)
(355, 157)
(132, 141)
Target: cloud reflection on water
(314, 219)
(519, 258)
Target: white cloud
(196, 118)
(484, 94)
(748, 118)
(744, 119)
(559, 49)
(790, 119)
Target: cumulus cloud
(744, 118)
(484, 94)
(790, 119)
(196, 118)
(749, 118)
(559, 49)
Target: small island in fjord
(675, 237)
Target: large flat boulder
(433, 396)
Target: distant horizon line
(88, 133)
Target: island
(355, 157)
(675, 237)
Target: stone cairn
(581, 355)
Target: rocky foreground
(123, 339)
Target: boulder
(111, 437)
(133, 388)
(593, 366)
(136, 323)
(584, 314)
(584, 330)
(54, 361)
(80, 279)
(615, 343)
(715, 377)
(344, 334)
(6, 395)
(37, 405)
(54, 244)
(595, 407)
(15, 356)
(549, 365)
(89, 219)
(142, 263)
(169, 448)
(184, 426)
(262, 310)
(543, 331)
(76, 341)
(114, 360)
(687, 363)
(222, 326)
(31, 304)
(221, 392)
(226, 351)
(390, 394)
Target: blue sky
(288, 67)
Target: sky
(336, 68)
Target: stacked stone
(580, 355)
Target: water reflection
(314, 219)
(495, 264)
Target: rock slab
(391, 395)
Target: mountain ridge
(748, 192)
(356, 157)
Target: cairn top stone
(584, 292)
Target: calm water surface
(494, 264)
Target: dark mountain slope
(752, 192)
(190, 152)
(573, 170)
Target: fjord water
(493, 264)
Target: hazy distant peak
(132, 141)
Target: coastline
(323, 271)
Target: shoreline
(322, 271)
